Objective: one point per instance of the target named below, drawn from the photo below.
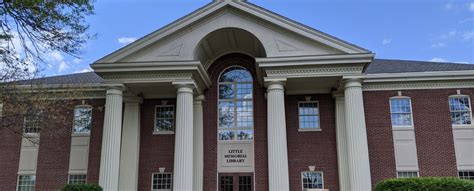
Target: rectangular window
(77, 179)
(164, 118)
(1, 109)
(312, 180)
(161, 182)
(26, 183)
(401, 113)
(308, 112)
(468, 175)
(407, 174)
(460, 108)
(82, 119)
(32, 121)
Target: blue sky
(436, 30)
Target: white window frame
(172, 180)
(470, 110)
(18, 180)
(69, 177)
(28, 133)
(411, 114)
(319, 128)
(302, 182)
(468, 177)
(417, 174)
(235, 100)
(74, 120)
(174, 121)
(1, 109)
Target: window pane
(82, 119)
(312, 180)
(235, 105)
(401, 113)
(26, 182)
(308, 115)
(77, 179)
(162, 182)
(460, 110)
(164, 119)
(409, 174)
(245, 135)
(226, 135)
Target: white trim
(81, 134)
(155, 119)
(172, 180)
(459, 126)
(399, 127)
(407, 171)
(301, 178)
(319, 128)
(18, 179)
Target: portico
(174, 63)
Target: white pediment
(279, 37)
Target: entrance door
(236, 182)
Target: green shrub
(81, 187)
(426, 184)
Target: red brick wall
(312, 148)
(10, 145)
(210, 124)
(379, 135)
(433, 132)
(155, 150)
(55, 144)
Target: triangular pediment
(279, 36)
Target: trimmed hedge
(81, 187)
(426, 184)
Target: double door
(236, 182)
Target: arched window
(235, 105)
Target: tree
(28, 31)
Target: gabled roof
(379, 66)
(243, 6)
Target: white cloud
(126, 40)
(471, 6)
(63, 66)
(438, 60)
(386, 41)
(438, 45)
(76, 61)
(83, 70)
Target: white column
(341, 137)
(358, 152)
(183, 152)
(277, 146)
(198, 144)
(130, 150)
(110, 153)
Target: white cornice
(315, 60)
(417, 85)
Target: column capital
(115, 90)
(185, 86)
(352, 82)
(275, 83)
(338, 95)
(130, 99)
(199, 99)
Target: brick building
(235, 97)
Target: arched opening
(225, 41)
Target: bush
(81, 187)
(426, 184)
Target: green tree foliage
(426, 184)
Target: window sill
(164, 133)
(31, 135)
(81, 134)
(403, 128)
(463, 126)
(310, 130)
